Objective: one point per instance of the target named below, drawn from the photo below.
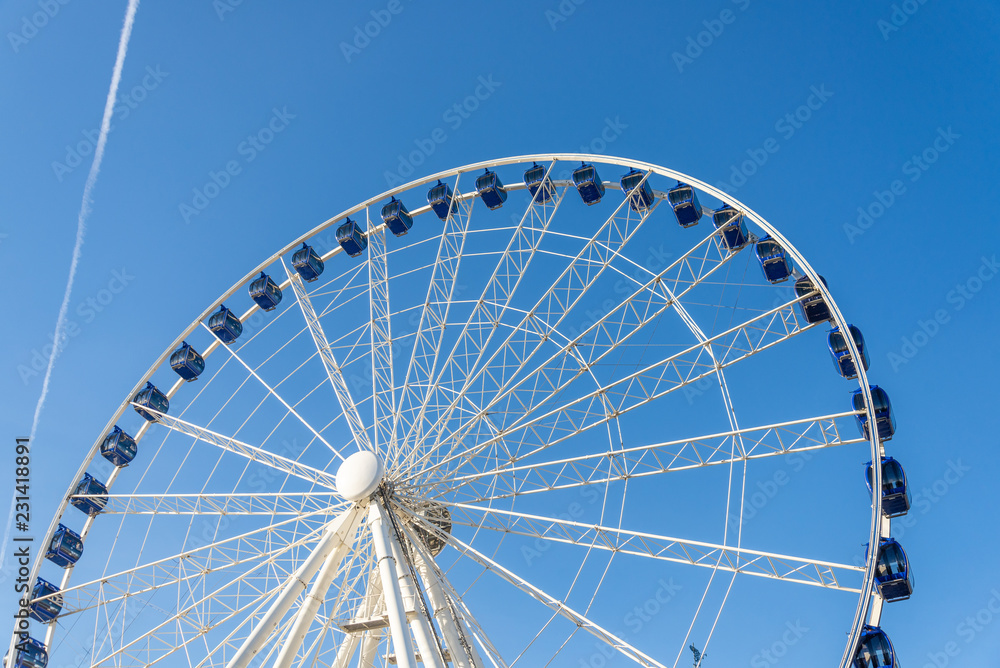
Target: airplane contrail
(81, 227)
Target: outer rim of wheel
(869, 606)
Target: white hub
(360, 475)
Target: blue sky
(866, 134)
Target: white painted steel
(463, 652)
(427, 645)
(408, 457)
(329, 360)
(402, 643)
(338, 533)
(343, 540)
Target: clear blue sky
(844, 108)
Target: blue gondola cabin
(265, 292)
(894, 490)
(538, 184)
(774, 261)
(730, 223)
(814, 308)
(841, 353)
(307, 263)
(441, 200)
(885, 421)
(225, 325)
(638, 190)
(150, 397)
(93, 488)
(187, 362)
(29, 653)
(352, 238)
(396, 217)
(588, 184)
(893, 576)
(874, 650)
(490, 189)
(66, 547)
(684, 201)
(46, 601)
(118, 447)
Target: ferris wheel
(509, 414)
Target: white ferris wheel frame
(870, 604)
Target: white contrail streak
(81, 227)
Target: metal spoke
(645, 385)
(643, 306)
(184, 566)
(560, 298)
(545, 599)
(333, 370)
(814, 572)
(307, 473)
(418, 386)
(298, 504)
(383, 385)
(277, 396)
(168, 636)
(478, 331)
(645, 460)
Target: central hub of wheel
(360, 475)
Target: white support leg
(462, 649)
(401, 640)
(430, 653)
(346, 651)
(350, 643)
(369, 649)
(307, 613)
(338, 532)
